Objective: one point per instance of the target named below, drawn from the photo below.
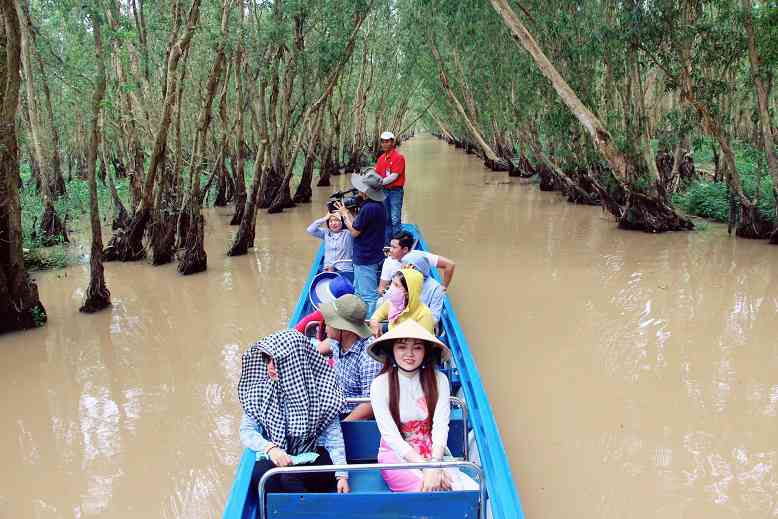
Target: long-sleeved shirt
(331, 439)
(355, 369)
(338, 246)
(412, 407)
(433, 295)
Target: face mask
(396, 298)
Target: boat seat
(362, 438)
(366, 481)
(376, 505)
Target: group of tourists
(374, 339)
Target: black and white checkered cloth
(296, 409)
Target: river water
(631, 375)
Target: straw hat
(347, 312)
(410, 329)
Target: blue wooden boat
(471, 418)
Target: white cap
(387, 136)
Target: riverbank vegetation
(137, 114)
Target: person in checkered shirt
(348, 338)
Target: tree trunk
(223, 191)
(20, 307)
(240, 177)
(283, 198)
(491, 157)
(643, 212)
(244, 239)
(304, 192)
(52, 230)
(761, 77)
(194, 258)
(97, 294)
(128, 245)
(58, 181)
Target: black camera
(349, 198)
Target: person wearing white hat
(410, 400)
(391, 167)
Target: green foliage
(39, 316)
(706, 199)
(73, 209)
(711, 199)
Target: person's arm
(386, 276)
(398, 167)
(440, 421)
(436, 303)
(249, 435)
(379, 399)
(332, 440)
(315, 229)
(363, 411)
(348, 219)
(447, 266)
(389, 178)
(381, 314)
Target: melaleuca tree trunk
(127, 244)
(194, 258)
(97, 295)
(647, 211)
(20, 307)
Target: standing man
(368, 233)
(391, 167)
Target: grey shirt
(337, 245)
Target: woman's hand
(342, 209)
(279, 457)
(435, 480)
(343, 487)
(375, 327)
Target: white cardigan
(411, 394)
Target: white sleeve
(379, 399)
(442, 412)
(386, 270)
(432, 258)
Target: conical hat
(409, 329)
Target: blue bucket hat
(328, 286)
(419, 261)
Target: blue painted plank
(434, 505)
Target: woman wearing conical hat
(410, 400)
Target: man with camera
(391, 167)
(368, 232)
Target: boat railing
(453, 400)
(374, 466)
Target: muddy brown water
(631, 375)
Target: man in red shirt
(391, 167)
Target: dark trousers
(311, 482)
